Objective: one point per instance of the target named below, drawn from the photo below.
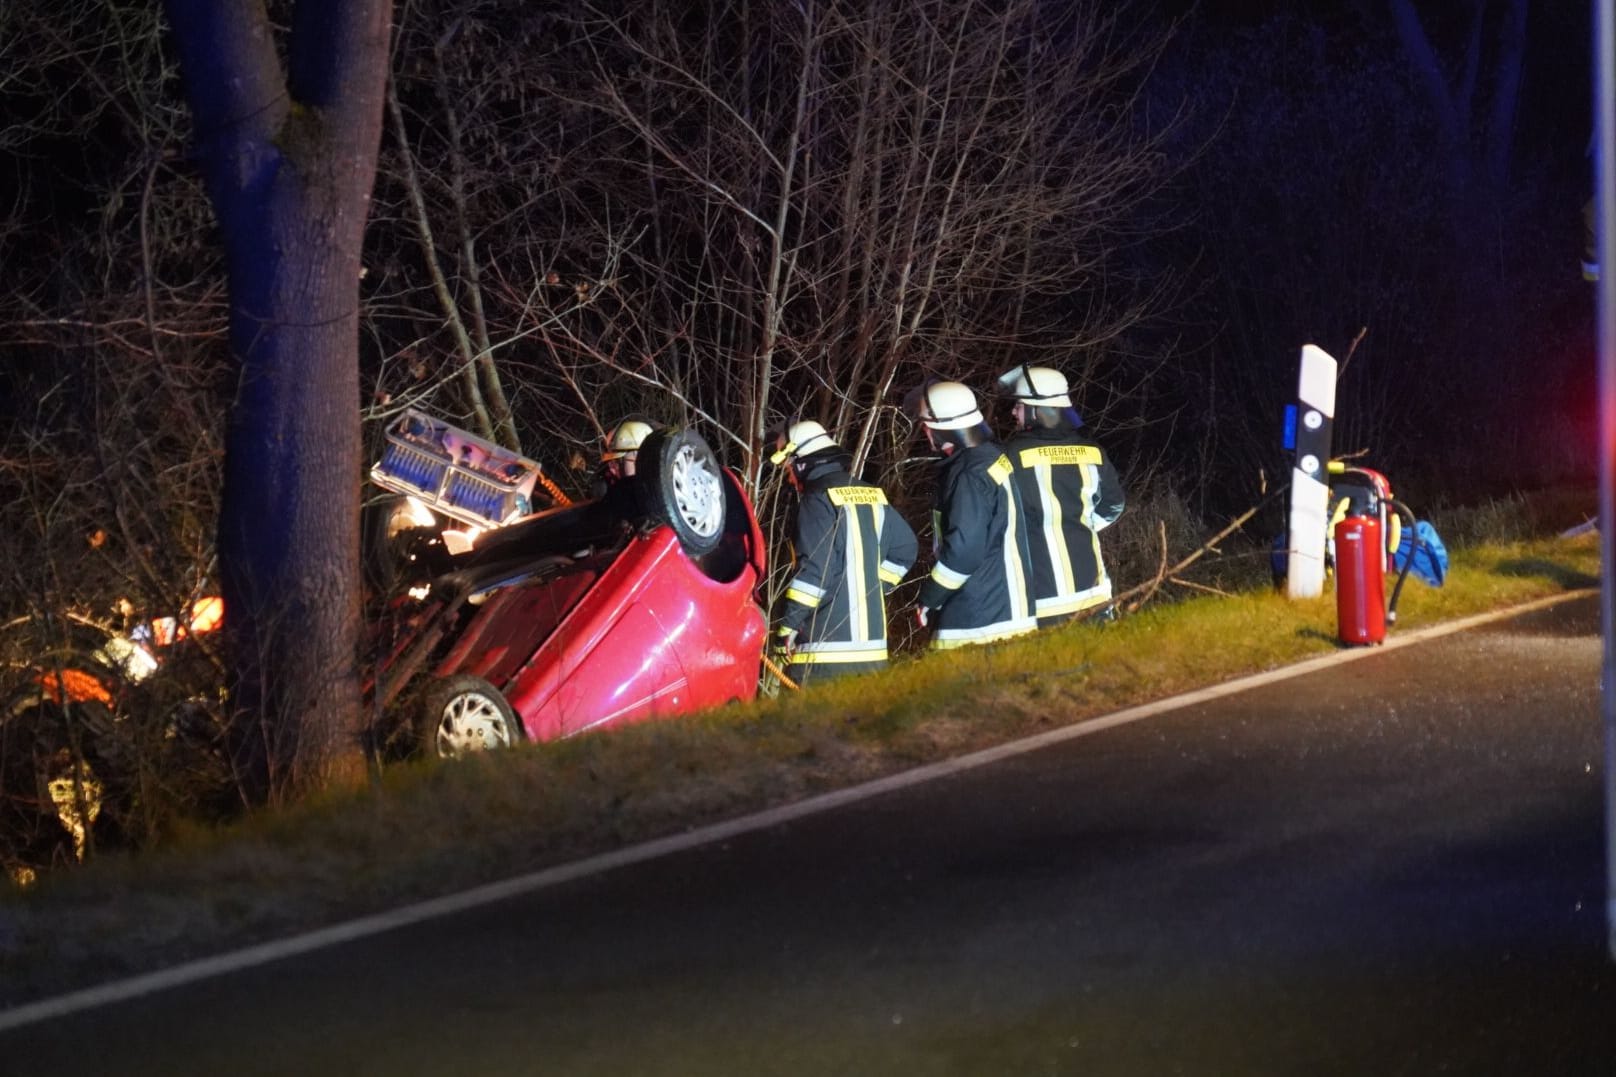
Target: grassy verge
(423, 830)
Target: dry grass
(422, 830)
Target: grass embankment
(422, 830)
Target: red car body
(625, 626)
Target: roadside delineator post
(1310, 491)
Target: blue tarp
(1431, 561)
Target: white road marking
(366, 926)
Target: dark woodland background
(730, 213)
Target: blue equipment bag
(1430, 560)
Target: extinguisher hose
(1413, 549)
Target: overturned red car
(634, 605)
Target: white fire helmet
(803, 438)
(1040, 386)
(625, 438)
(948, 405)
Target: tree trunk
(1477, 155)
(289, 162)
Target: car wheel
(683, 486)
(466, 714)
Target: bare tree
(111, 328)
(289, 161)
(479, 380)
(840, 199)
(1474, 99)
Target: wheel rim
(698, 493)
(472, 722)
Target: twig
(1200, 587)
(1342, 370)
(1146, 591)
(1150, 588)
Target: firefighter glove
(785, 642)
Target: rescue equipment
(1360, 580)
(453, 472)
(1368, 523)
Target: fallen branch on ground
(1146, 591)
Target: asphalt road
(1391, 866)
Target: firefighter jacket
(851, 548)
(981, 585)
(1071, 493)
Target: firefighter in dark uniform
(1070, 491)
(980, 588)
(851, 549)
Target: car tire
(465, 714)
(682, 485)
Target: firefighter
(851, 549)
(980, 588)
(623, 448)
(619, 460)
(1070, 491)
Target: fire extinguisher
(1361, 562)
(1360, 579)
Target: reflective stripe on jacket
(981, 584)
(1071, 492)
(851, 548)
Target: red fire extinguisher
(1362, 555)
(1360, 580)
